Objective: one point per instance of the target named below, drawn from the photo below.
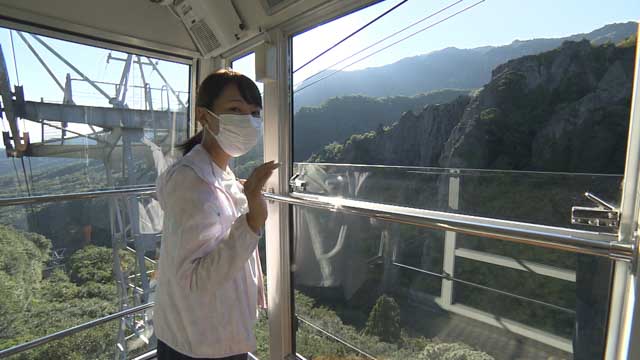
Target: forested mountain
(340, 117)
(449, 68)
(562, 110)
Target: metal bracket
(606, 215)
(296, 184)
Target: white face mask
(238, 133)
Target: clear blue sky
(92, 62)
(493, 22)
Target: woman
(209, 278)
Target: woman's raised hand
(257, 214)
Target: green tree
(384, 320)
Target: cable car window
(472, 108)
(82, 119)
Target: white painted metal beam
(523, 265)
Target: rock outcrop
(563, 110)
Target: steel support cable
(15, 63)
(392, 44)
(39, 58)
(334, 337)
(66, 62)
(15, 67)
(351, 35)
(26, 178)
(15, 168)
(155, 68)
(384, 39)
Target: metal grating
(204, 36)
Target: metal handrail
(70, 331)
(575, 241)
(31, 200)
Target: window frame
(624, 317)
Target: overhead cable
(392, 44)
(351, 35)
(15, 63)
(385, 38)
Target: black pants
(167, 353)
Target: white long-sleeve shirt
(209, 267)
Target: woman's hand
(257, 214)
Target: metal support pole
(167, 83)
(449, 258)
(134, 216)
(624, 314)
(124, 81)
(7, 103)
(148, 99)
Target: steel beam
(108, 118)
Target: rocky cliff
(562, 110)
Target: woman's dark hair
(210, 89)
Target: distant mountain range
(449, 68)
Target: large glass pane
(96, 118)
(371, 288)
(66, 263)
(432, 86)
(544, 198)
(472, 108)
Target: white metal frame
(277, 134)
(276, 50)
(624, 315)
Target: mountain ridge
(450, 68)
(563, 110)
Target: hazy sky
(492, 22)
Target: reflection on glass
(533, 197)
(97, 119)
(244, 165)
(370, 288)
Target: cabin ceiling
(151, 24)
